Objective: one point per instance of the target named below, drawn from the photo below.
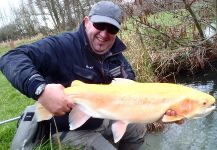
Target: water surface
(200, 134)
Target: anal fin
(118, 130)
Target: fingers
(67, 105)
(70, 103)
(62, 110)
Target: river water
(200, 134)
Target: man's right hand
(55, 100)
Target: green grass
(3, 50)
(12, 103)
(166, 19)
(5, 46)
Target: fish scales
(127, 101)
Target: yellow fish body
(127, 101)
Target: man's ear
(86, 20)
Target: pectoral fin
(183, 110)
(118, 130)
(167, 118)
(77, 118)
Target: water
(200, 134)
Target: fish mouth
(205, 112)
(213, 105)
(211, 108)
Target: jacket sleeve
(24, 66)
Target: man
(93, 54)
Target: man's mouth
(101, 40)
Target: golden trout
(127, 101)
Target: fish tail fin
(42, 113)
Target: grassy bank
(12, 103)
(7, 45)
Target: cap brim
(104, 19)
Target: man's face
(100, 41)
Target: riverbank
(185, 60)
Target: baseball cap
(106, 12)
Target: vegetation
(12, 103)
(174, 37)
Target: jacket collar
(117, 47)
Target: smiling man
(102, 25)
(92, 54)
(101, 36)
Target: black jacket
(62, 59)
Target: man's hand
(55, 100)
(173, 113)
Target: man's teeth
(101, 39)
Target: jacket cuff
(34, 82)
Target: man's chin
(100, 52)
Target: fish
(126, 101)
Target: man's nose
(104, 33)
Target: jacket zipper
(101, 65)
(101, 68)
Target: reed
(138, 57)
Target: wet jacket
(62, 59)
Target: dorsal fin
(76, 82)
(122, 80)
